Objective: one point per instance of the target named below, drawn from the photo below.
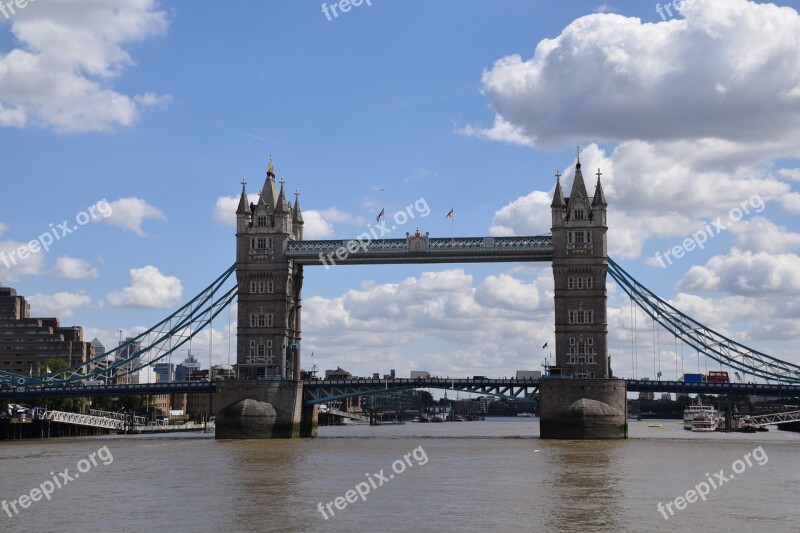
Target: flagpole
(451, 215)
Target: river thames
(471, 476)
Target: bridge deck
(764, 389)
(319, 389)
(421, 249)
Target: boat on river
(696, 409)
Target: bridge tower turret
(268, 342)
(580, 264)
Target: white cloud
(224, 212)
(746, 273)
(791, 203)
(3, 228)
(790, 173)
(605, 72)
(652, 191)
(527, 215)
(148, 288)
(130, 213)
(59, 305)
(69, 52)
(336, 215)
(74, 268)
(761, 235)
(438, 321)
(315, 226)
(507, 292)
(12, 267)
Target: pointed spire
(269, 191)
(280, 206)
(243, 205)
(599, 196)
(558, 197)
(297, 216)
(578, 186)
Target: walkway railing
(776, 418)
(421, 249)
(84, 420)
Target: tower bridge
(271, 255)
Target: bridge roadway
(320, 391)
(421, 249)
(325, 390)
(761, 389)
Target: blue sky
(161, 108)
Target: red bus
(717, 376)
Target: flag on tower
(449, 214)
(380, 216)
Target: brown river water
(492, 475)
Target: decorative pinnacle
(296, 194)
(270, 168)
(598, 174)
(244, 182)
(558, 174)
(282, 181)
(579, 154)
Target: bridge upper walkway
(421, 249)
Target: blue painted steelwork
(131, 389)
(177, 329)
(763, 389)
(702, 338)
(402, 251)
(153, 345)
(321, 391)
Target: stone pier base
(252, 409)
(583, 408)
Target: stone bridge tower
(580, 263)
(269, 327)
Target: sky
(135, 121)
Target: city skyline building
(28, 343)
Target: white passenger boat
(696, 409)
(704, 422)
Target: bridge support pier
(255, 409)
(583, 409)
